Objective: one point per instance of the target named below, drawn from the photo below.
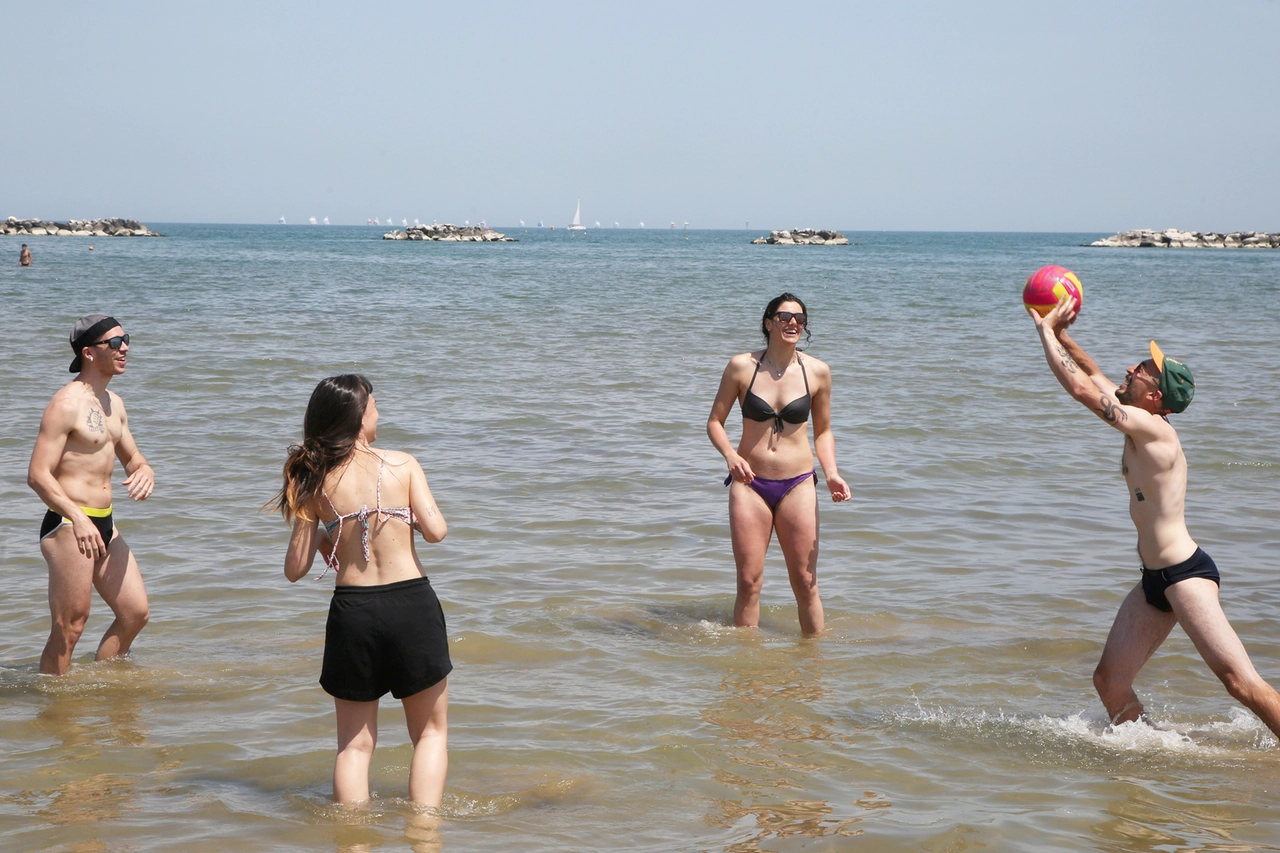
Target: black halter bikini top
(795, 412)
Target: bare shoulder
(816, 367)
(743, 365)
(64, 407)
(1154, 429)
(398, 459)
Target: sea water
(556, 392)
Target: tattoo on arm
(1111, 413)
(1068, 362)
(431, 512)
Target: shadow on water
(1147, 816)
(83, 746)
(396, 821)
(770, 742)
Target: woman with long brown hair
(358, 507)
(774, 483)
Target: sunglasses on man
(119, 340)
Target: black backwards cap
(86, 331)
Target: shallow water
(556, 391)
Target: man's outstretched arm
(1096, 394)
(1082, 360)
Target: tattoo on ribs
(1111, 413)
(93, 421)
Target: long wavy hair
(330, 431)
(772, 308)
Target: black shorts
(52, 521)
(384, 638)
(1156, 581)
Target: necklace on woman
(776, 371)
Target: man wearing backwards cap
(83, 431)
(1179, 580)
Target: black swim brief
(52, 521)
(1156, 581)
(384, 638)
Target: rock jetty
(1172, 238)
(76, 228)
(449, 234)
(803, 237)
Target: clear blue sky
(1019, 116)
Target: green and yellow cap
(1177, 387)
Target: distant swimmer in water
(83, 432)
(771, 475)
(359, 507)
(1179, 582)
(24, 256)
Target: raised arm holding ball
(1179, 580)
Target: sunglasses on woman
(119, 340)
(787, 316)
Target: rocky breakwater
(803, 237)
(1172, 238)
(76, 228)
(449, 234)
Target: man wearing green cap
(1179, 580)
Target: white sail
(577, 219)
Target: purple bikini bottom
(775, 490)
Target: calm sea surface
(556, 391)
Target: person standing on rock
(24, 257)
(83, 432)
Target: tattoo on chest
(94, 421)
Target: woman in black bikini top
(771, 473)
(795, 412)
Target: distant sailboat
(281, 220)
(326, 220)
(521, 223)
(577, 219)
(597, 223)
(312, 220)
